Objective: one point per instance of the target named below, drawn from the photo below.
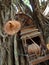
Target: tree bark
(8, 43)
(40, 20)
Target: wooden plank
(39, 60)
(33, 34)
(29, 30)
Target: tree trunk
(8, 43)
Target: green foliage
(26, 2)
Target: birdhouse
(32, 39)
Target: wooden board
(39, 60)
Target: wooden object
(31, 39)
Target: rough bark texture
(41, 22)
(11, 50)
(8, 44)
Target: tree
(41, 21)
(9, 47)
(9, 43)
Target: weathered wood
(10, 51)
(4, 16)
(3, 51)
(40, 59)
(16, 51)
(41, 21)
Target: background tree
(41, 21)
